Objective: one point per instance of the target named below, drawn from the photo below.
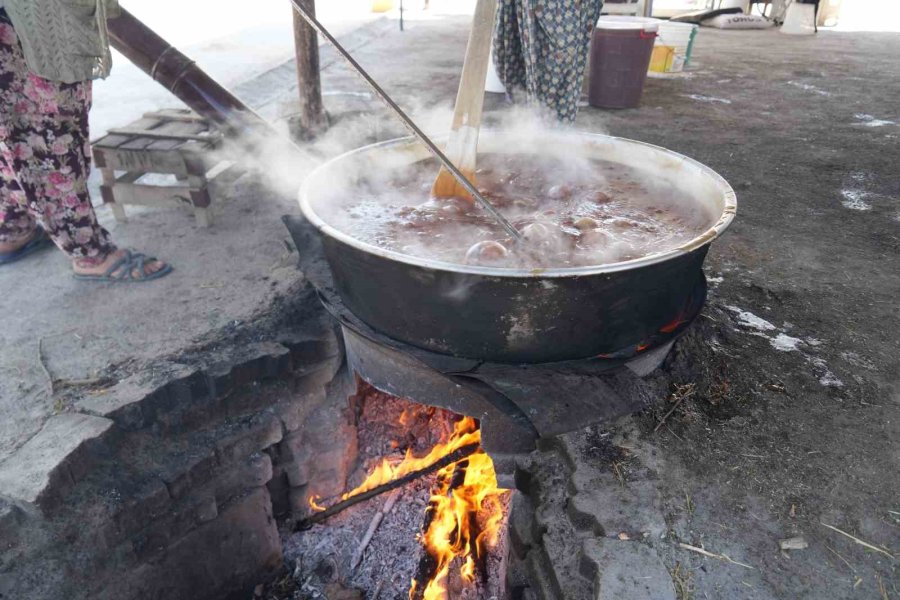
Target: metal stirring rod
(409, 123)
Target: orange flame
(453, 532)
(313, 504)
(466, 432)
(468, 569)
(673, 324)
(408, 416)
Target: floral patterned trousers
(45, 156)
(540, 48)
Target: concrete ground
(75, 332)
(794, 422)
(790, 424)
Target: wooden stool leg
(203, 217)
(200, 199)
(107, 192)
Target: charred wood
(455, 456)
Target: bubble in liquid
(536, 232)
(585, 214)
(486, 252)
(561, 191)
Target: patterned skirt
(540, 50)
(45, 156)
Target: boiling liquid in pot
(571, 213)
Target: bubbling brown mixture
(571, 213)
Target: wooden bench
(173, 142)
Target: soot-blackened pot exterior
(517, 315)
(513, 319)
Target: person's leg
(550, 42)
(507, 46)
(44, 142)
(562, 40)
(17, 226)
(45, 146)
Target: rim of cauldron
(729, 199)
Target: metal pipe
(188, 82)
(432, 147)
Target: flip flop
(40, 240)
(126, 266)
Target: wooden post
(311, 119)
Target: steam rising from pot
(571, 208)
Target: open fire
(456, 512)
(463, 518)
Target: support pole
(180, 75)
(311, 118)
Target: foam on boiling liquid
(571, 213)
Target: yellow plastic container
(380, 6)
(661, 59)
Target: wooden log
(311, 119)
(428, 565)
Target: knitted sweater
(64, 40)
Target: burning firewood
(457, 544)
(452, 532)
(448, 459)
(430, 563)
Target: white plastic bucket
(622, 7)
(677, 36)
(744, 5)
(623, 22)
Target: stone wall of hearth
(170, 484)
(572, 535)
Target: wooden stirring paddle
(462, 146)
(310, 18)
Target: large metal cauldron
(517, 316)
